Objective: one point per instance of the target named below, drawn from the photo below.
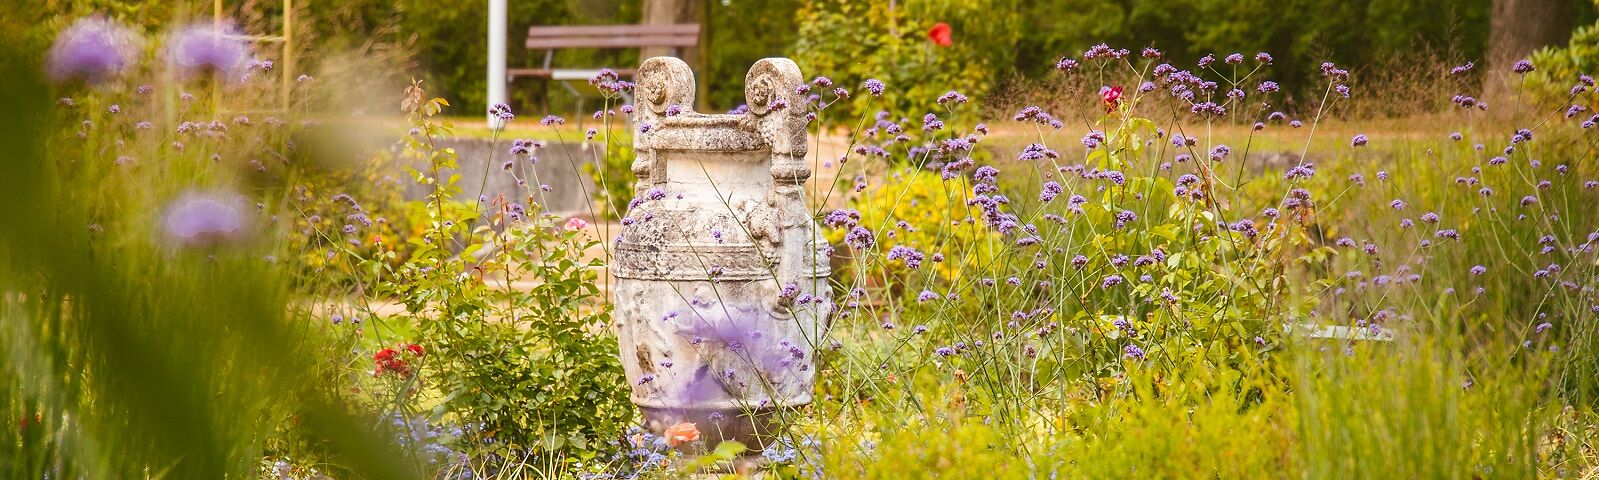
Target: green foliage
(736, 34)
(1453, 425)
(852, 41)
(916, 197)
(124, 354)
(614, 177)
(1300, 34)
(522, 366)
(1557, 68)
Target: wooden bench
(550, 39)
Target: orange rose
(681, 433)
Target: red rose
(1111, 96)
(388, 362)
(941, 34)
(414, 349)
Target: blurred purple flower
(206, 47)
(203, 218)
(93, 48)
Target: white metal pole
(496, 80)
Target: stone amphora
(721, 287)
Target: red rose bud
(1111, 96)
(941, 34)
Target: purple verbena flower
(1125, 217)
(1219, 153)
(1050, 190)
(502, 112)
(874, 86)
(910, 256)
(859, 238)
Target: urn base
(755, 428)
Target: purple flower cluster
(1039, 116)
(1103, 51)
(860, 238)
(502, 112)
(910, 256)
(610, 83)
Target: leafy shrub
(525, 368)
(1558, 68)
(614, 177)
(916, 198)
(855, 41)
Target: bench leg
(575, 94)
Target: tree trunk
(669, 12)
(1516, 29)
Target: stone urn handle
(662, 82)
(778, 113)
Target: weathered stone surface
(721, 292)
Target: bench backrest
(613, 36)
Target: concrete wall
(560, 165)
